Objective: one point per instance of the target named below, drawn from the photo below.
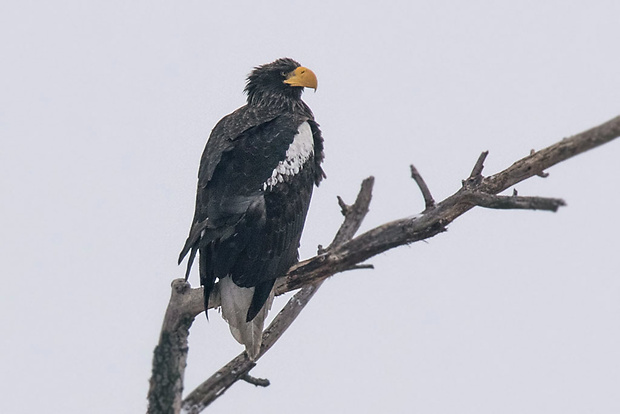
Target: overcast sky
(105, 108)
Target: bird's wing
(221, 141)
(225, 132)
(272, 227)
(230, 205)
(286, 194)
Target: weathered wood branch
(513, 202)
(429, 202)
(170, 355)
(353, 215)
(185, 303)
(433, 222)
(259, 382)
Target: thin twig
(361, 267)
(514, 202)
(259, 382)
(429, 202)
(476, 172)
(344, 207)
(354, 214)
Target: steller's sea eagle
(255, 181)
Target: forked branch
(346, 253)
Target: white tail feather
(235, 304)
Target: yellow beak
(302, 77)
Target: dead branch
(426, 225)
(346, 253)
(259, 382)
(429, 202)
(513, 202)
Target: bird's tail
(235, 304)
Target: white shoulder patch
(297, 154)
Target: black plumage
(255, 184)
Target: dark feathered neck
(264, 95)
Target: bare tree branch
(476, 172)
(423, 226)
(347, 253)
(429, 202)
(259, 382)
(513, 202)
(353, 215)
(170, 355)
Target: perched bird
(255, 181)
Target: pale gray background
(104, 111)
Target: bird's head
(280, 81)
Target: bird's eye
(283, 74)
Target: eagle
(255, 181)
